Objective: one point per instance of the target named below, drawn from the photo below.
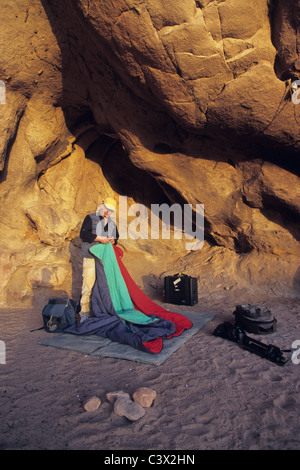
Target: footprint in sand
(286, 403)
(275, 378)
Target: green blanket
(118, 290)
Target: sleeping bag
(122, 312)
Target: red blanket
(145, 305)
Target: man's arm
(86, 230)
(86, 234)
(117, 236)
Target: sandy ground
(211, 394)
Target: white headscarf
(99, 209)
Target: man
(96, 228)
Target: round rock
(144, 396)
(92, 404)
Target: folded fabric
(146, 305)
(118, 291)
(116, 315)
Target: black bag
(268, 351)
(255, 319)
(59, 314)
(181, 289)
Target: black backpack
(255, 319)
(59, 314)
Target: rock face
(178, 101)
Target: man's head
(108, 206)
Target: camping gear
(255, 319)
(59, 314)
(121, 313)
(104, 347)
(268, 351)
(144, 304)
(181, 289)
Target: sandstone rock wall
(178, 101)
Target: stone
(47, 275)
(144, 396)
(53, 224)
(112, 397)
(92, 404)
(131, 410)
(285, 20)
(188, 98)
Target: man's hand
(104, 240)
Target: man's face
(104, 211)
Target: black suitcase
(181, 289)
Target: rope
(276, 113)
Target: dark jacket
(93, 226)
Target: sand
(211, 394)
